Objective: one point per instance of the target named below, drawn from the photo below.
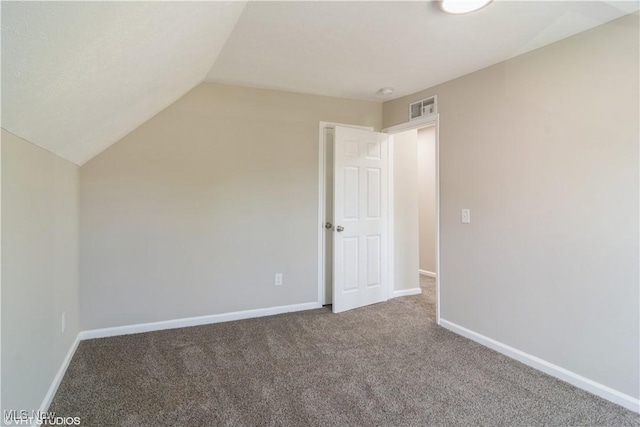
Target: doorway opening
(397, 268)
(414, 214)
(426, 127)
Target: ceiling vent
(424, 108)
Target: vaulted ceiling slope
(78, 76)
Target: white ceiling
(352, 49)
(78, 76)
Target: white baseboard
(53, 388)
(406, 292)
(563, 374)
(194, 321)
(427, 273)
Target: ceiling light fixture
(386, 91)
(458, 7)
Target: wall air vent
(426, 107)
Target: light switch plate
(466, 216)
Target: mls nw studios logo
(16, 417)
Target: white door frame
(322, 194)
(433, 120)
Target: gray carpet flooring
(383, 365)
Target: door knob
(328, 225)
(339, 228)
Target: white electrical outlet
(466, 216)
(278, 279)
(64, 321)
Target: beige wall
(39, 269)
(427, 197)
(195, 211)
(405, 210)
(543, 149)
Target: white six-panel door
(360, 218)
